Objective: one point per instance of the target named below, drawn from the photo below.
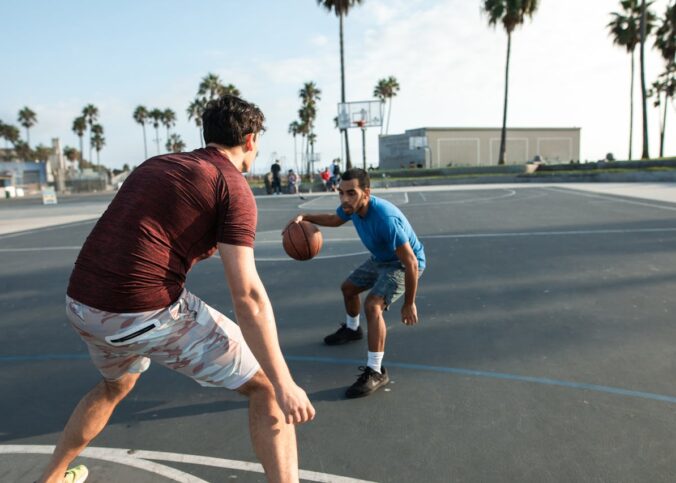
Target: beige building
(434, 147)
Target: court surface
(545, 350)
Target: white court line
(39, 249)
(422, 196)
(113, 455)
(553, 233)
(138, 459)
(573, 191)
(509, 194)
(405, 197)
(48, 228)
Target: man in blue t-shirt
(397, 261)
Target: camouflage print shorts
(188, 337)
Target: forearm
(410, 283)
(323, 219)
(256, 320)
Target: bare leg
(374, 307)
(351, 298)
(273, 440)
(88, 419)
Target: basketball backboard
(360, 114)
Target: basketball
(302, 241)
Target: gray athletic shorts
(385, 279)
(188, 337)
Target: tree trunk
(503, 134)
(389, 112)
(145, 143)
(157, 140)
(28, 138)
(631, 107)
(663, 127)
(348, 163)
(645, 154)
(81, 150)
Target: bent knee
(349, 289)
(259, 384)
(119, 388)
(374, 304)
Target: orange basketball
(302, 241)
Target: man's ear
(249, 140)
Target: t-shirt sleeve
(342, 215)
(396, 235)
(237, 213)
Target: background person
(276, 169)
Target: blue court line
(417, 367)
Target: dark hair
(359, 174)
(228, 119)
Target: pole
(363, 145)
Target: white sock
(352, 322)
(375, 360)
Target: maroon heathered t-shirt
(169, 214)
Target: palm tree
(9, 133)
(341, 8)
(91, 114)
(625, 28)
(97, 141)
(175, 144)
(210, 87)
(156, 116)
(230, 90)
(27, 119)
(385, 90)
(141, 116)
(645, 30)
(79, 128)
(42, 153)
(195, 111)
(71, 154)
(511, 13)
(168, 120)
(23, 150)
(665, 42)
(309, 95)
(294, 130)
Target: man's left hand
(409, 314)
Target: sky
(564, 70)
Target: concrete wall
(479, 146)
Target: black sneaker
(369, 381)
(343, 336)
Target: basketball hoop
(361, 123)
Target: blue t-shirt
(383, 230)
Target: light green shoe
(77, 474)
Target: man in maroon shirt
(127, 300)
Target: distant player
(397, 261)
(127, 300)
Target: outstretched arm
(321, 219)
(257, 322)
(409, 312)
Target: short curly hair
(362, 177)
(228, 119)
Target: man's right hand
(295, 404)
(297, 219)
